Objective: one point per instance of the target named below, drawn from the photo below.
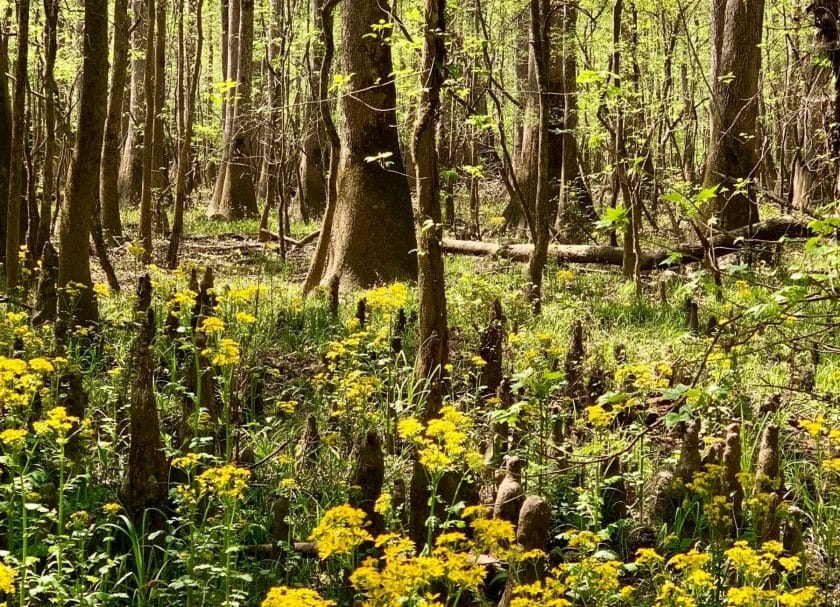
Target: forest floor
(658, 429)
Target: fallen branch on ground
(767, 231)
(266, 236)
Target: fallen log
(768, 231)
(268, 236)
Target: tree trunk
(5, 135)
(16, 191)
(577, 210)
(186, 143)
(433, 352)
(109, 187)
(148, 159)
(819, 131)
(732, 160)
(159, 173)
(83, 183)
(311, 198)
(51, 9)
(131, 164)
(371, 236)
(234, 196)
(539, 178)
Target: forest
(419, 303)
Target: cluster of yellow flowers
(283, 596)
(227, 482)
(57, 423)
(7, 578)
(20, 380)
(756, 578)
(401, 576)
(644, 377)
(442, 443)
(388, 297)
(340, 531)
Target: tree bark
(732, 160)
(433, 352)
(577, 209)
(51, 10)
(311, 198)
(109, 187)
(186, 143)
(148, 130)
(540, 40)
(83, 183)
(234, 196)
(16, 192)
(371, 236)
(131, 164)
(5, 135)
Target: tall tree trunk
(234, 196)
(186, 142)
(433, 353)
(5, 134)
(159, 173)
(819, 137)
(239, 198)
(51, 9)
(83, 183)
(732, 161)
(576, 206)
(371, 237)
(109, 186)
(148, 160)
(540, 37)
(131, 164)
(16, 191)
(311, 198)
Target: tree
(51, 9)
(109, 185)
(83, 182)
(16, 193)
(131, 164)
(737, 27)
(539, 40)
(311, 197)
(5, 132)
(148, 130)
(433, 353)
(369, 236)
(234, 196)
(186, 140)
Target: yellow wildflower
(282, 596)
(13, 437)
(212, 325)
(7, 578)
(340, 531)
(227, 481)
